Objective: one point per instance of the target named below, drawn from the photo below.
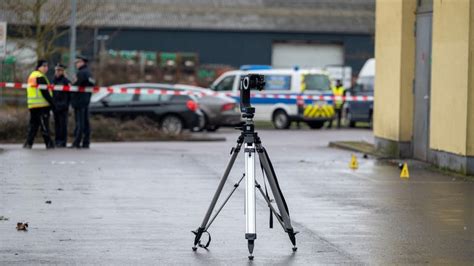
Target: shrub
(14, 126)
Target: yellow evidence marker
(405, 174)
(354, 164)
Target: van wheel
(171, 125)
(281, 120)
(371, 120)
(315, 124)
(352, 124)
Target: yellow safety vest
(338, 91)
(35, 98)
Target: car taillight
(228, 106)
(192, 105)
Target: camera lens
(245, 83)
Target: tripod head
(249, 113)
(247, 83)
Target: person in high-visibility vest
(40, 104)
(338, 91)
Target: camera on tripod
(252, 148)
(247, 83)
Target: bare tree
(39, 24)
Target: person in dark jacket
(80, 102)
(40, 104)
(61, 102)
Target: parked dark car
(218, 110)
(173, 112)
(360, 111)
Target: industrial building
(279, 33)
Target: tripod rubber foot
(251, 243)
(295, 249)
(195, 248)
(250, 257)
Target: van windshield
(366, 83)
(316, 82)
(226, 84)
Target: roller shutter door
(287, 55)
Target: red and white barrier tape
(114, 89)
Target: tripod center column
(250, 153)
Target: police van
(290, 95)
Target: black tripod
(252, 146)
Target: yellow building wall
(450, 76)
(394, 55)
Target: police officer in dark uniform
(80, 102)
(61, 102)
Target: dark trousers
(338, 113)
(82, 131)
(60, 127)
(39, 119)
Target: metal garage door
(306, 55)
(422, 92)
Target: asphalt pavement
(136, 203)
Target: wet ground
(136, 203)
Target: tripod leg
(202, 228)
(277, 194)
(250, 233)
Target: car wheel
(315, 124)
(171, 125)
(212, 128)
(207, 126)
(281, 120)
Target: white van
(290, 95)
(362, 111)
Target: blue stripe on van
(257, 100)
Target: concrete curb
(182, 139)
(357, 146)
(198, 139)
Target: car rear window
(180, 98)
(316, 82)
